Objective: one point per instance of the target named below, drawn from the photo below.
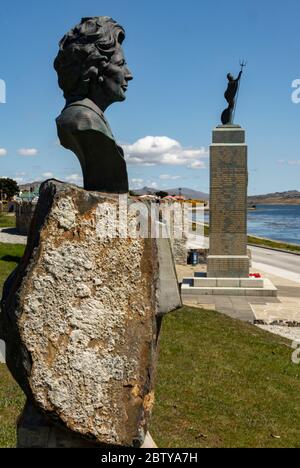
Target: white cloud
(169, 177)
(153, 185)
(197, 165)
(47, 175)
(28, 152)
(3, 152)
(159, 150)
(291, 162)
(137, 183)
(19, 180)
(75, 179)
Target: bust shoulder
(82, 116)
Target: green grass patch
(11, 404)
(220, 382)
(11, 397)
(7, 220)
(273, 244)
(10, 255)
(261, 242)
(224, 383)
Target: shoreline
(282, 203)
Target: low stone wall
(178, 244)
(179, 250)
(24, 214)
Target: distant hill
(185, 192)
(291, 197)
(30, 185)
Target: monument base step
(262, 287)
(228, 266)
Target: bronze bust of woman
(93, 74)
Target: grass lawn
(7, 220)
(10, 255)
(11, 397)
(11, 403)
(273, 244)
(224, 383)
(261, 242)
(220, 382)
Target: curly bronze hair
(84, 53)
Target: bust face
(116, 78)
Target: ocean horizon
(276, 222)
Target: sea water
(277, 222)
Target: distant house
(149, 197)
(174, 198)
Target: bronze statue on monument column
(230, 96)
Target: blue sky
(179, 53)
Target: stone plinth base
(228, 282)
(227, 287)
(228, 266)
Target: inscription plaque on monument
(228, 204)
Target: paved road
(270, 258)
(284, 261)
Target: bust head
(91, 64)
(230, 77)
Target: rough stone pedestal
(228, 204)
(81, 317)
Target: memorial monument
(228, 194)
(82, 312)
(228, 262)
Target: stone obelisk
(228, 204)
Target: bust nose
(128, 75)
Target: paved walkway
(11, 236)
